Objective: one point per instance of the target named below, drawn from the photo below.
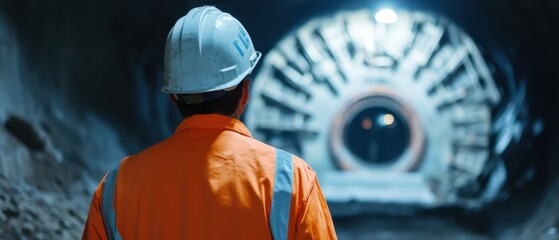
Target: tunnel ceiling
(124, 40)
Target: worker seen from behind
(211, 179)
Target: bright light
(388, 119)
(386, 15)
(366, 123)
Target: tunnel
(424, 119)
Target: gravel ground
(27, 213)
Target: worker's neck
(234, 115)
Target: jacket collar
(213, 121)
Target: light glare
(386, 15)
(388, 119)
(367, 123)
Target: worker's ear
(246, 92)
(173, 98)
(244, 99)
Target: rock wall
(52, 154)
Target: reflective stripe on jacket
(210, 180)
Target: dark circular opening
(377, 135)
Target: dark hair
(225, 105)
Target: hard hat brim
(234, 82)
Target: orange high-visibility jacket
(210, 180)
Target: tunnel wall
(84, 76)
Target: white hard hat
(207, 50)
